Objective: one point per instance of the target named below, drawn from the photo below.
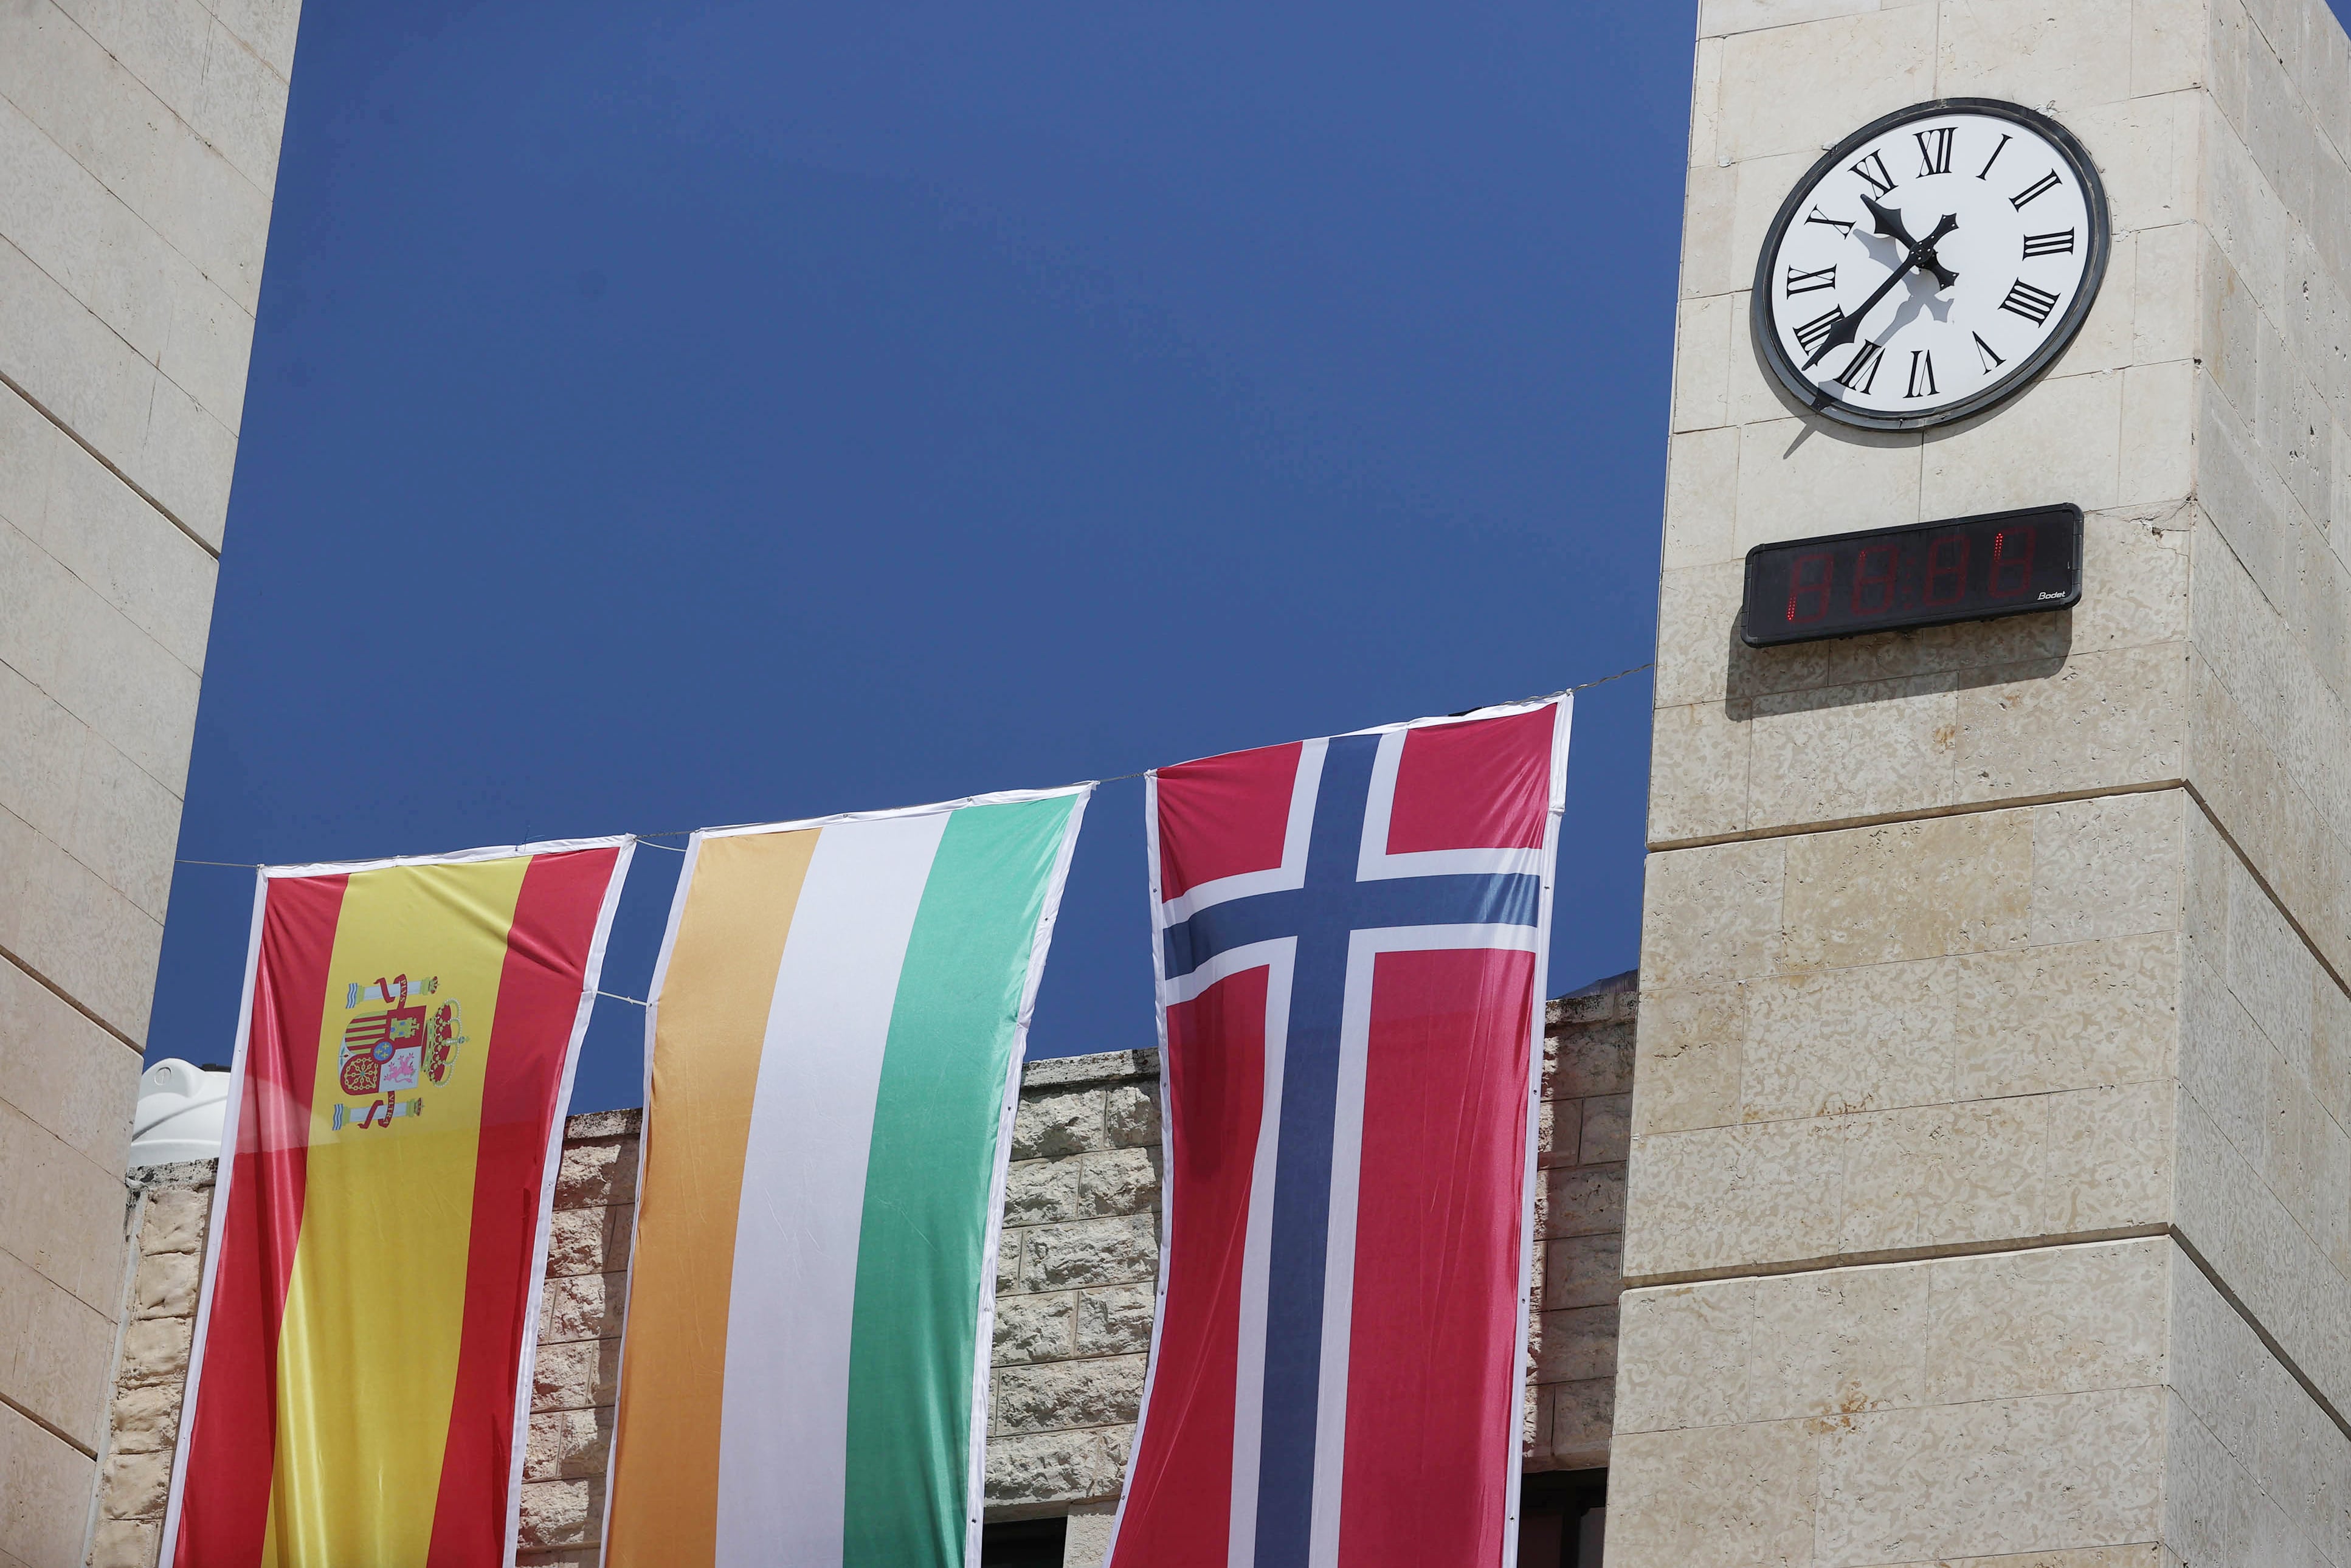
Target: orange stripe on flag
(706, 1062)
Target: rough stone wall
(572, 1384)
(1075, 1296)
(2264, 1156)
(1075, 1281)
(138, 159)
(170, 1208)
(1579, 1223)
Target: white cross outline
(1295, 839)
(1364, 948)
(1279, 959)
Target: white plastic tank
(179, 1116)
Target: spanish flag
(358, 1385)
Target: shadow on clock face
(1815, 426)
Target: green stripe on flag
(933, 1166)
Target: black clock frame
(2093, 272)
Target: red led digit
(1809, 581)
(1946, 570)
(1873, 582)
(2012, 562)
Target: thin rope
(646, 839)
(635, 1001)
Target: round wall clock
(1931, 264)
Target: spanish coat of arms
(411, 1041)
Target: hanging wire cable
(645, 839)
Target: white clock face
(1931, 264)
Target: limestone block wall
(2026, 934)
(2264, 1151)
(1948, 1032)
(169, 1208)
(579, 1366)
(1076, 1295)
(1075, 1281)
(1588, 1047)
(137, 158)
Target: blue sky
(686, 413)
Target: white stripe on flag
(1373, 861)
(1297, 834)
(1257, 1265)
(1364, 948)
(1279, 957)
(784, 1418)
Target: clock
(1931, 264)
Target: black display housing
(1921, 574)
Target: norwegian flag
(1352, 935)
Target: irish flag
(834, 1054)
(360, 1378)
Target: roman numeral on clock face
(2046, 182)
(1872, 171)
(1865, 360)
(1945, 336)
(1922, 373)
(1811, 333)
(2032, 303)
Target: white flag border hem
(528, 1370)
(1040, 945)
(453, 857)
(1554, 811)
(222, 1173)
(1083, 786)
(592, 978)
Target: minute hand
(1921, 253)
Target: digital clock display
(1923, 574)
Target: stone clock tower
(1990, 1195)
(139, 148)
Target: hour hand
(1889, 224)
(1927, 259)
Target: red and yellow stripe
(370, 1305)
